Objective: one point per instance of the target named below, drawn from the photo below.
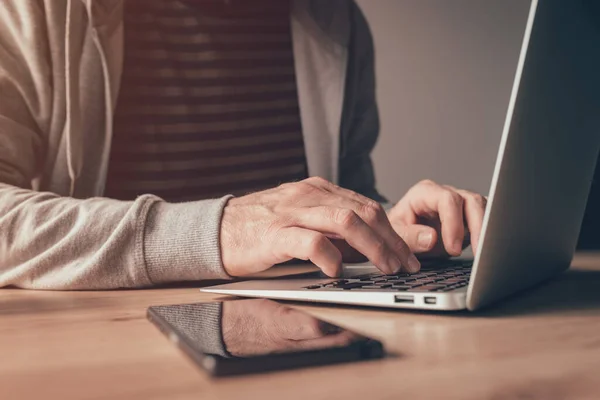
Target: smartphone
(257, 335)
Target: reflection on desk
(249, 336)
(543, 344)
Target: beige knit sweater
(60, 69)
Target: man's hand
(258, 327)
(437, 220)
(297, 220)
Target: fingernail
(457, 247)
(424, 240)
(394, 265)
(413, 264)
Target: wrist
(181, 241)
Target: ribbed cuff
(200, 323)
(181, 241)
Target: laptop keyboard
(443, 276)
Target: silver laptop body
(539, 189)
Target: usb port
(430, 300)
(404, 299)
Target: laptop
(539, 189)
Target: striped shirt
(208, 104)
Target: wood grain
(544, 344)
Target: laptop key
(423, 281)
(439, 279)
(352, 285)
(389, 285)
(400, 280)
(382, 284)
(405, 280)
(396, 276)
(450, 274)
(340, 282)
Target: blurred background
(445, 70)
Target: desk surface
(98, 345)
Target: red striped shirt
(208, 104)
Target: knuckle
(372, 212)
(289, 188)
(316, 180)
(376, 207)
(479, 199)
(301, 188)
(452, 197)
(427, 182)
(346, 218)
(370, 215)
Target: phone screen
(258, 335)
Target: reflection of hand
(257, 327)
(297, 220)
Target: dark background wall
(445, 69)
(590, 232)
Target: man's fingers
(340, 339)
(420, 238)
(349, 225)
(293, 324)
(349, 253)
(450, 208)
(373, 214)
(448, 205)
(305, 244)
(339, 191)
(359, 220)
(474, 206)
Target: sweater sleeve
(53, 242)
(200, 324)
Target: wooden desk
(98, 345)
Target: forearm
(53, 242)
